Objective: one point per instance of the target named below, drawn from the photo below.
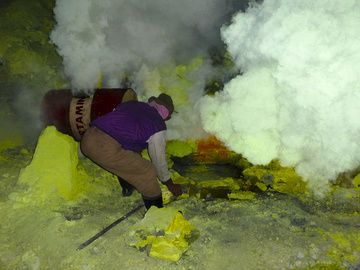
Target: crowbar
(107, 228)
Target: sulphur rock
(179, 148)
(261, 186)
(166, 194)
(54, 172)
(282, 179)
(165, 232)
(345, 246)
(242, 195)
(227, 182)
(167, 249)
(179, 179)
(9, 137)
(356, 181)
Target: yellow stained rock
(284, 179)
(227, 182)
(165, 231)
(242, 195)
(9, 143)
(166, 194)
(34, 61)
(172, 79)
(10, 140)
(180, 148)
(345, 246)
(54, 171)
(356, 181)
(179, 179)
(261, 186)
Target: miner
(115, 141)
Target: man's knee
(149, 186)
(84, 147)
(152, 173)
(85, 144)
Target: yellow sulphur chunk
(179, 227)
(261, 186)
(175, 230)
(54, 171)
(164, 248)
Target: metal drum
(72, 115)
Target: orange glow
(211, 150)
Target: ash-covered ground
(271, 231)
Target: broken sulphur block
(165, 232)
(54, 172)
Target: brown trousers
(108, 153)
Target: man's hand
(175, 189)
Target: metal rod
(107, 228)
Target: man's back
(131, 124)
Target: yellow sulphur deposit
(165, 232)
(54, 172)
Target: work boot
(156, 201)
(127, 189)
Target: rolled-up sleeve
(157, 153)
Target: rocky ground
(273, 230)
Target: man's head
(166, 102)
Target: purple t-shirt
(131, 123)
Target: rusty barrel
(72, 114)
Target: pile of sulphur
(54, 174)
(164, 233)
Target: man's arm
(157, 153)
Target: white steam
(299, 97)
(113, 37)
(117, 37)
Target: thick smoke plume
(298, 99)
(113, 38)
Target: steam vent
(258, 130)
